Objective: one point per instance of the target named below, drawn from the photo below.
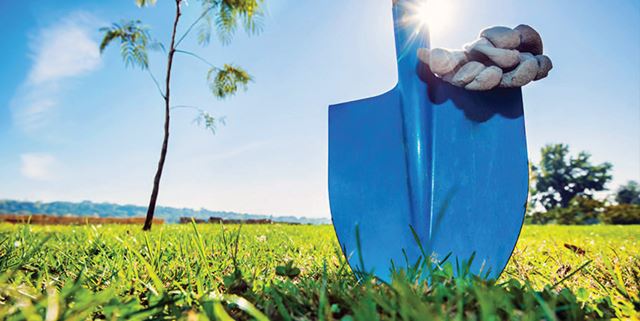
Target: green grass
(284, 272)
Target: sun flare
(436, 15)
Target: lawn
(285, 272)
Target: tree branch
(204, 13)
(187, 107)
(210, 122)
(155, 81)
(194, 55)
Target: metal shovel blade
(447, 163)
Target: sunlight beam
(434, 15)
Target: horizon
(81, 126)
(279, 215)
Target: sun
(435, 15)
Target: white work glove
(500, 57)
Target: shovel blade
(480, 175)
(479, 179)
(368, 191)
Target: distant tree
(223, 16)
(628, 193)
(559, 177)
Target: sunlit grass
(280, 272)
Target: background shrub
(621, 214)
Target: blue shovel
(428, 161)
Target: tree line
(109, 210)
(564, 186)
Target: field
(280, 272)
(72, 220)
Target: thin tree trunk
(167, 117)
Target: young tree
(223, 16)
(560, 177)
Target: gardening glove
(500, 57)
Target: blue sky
(75, 125)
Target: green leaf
(215, 311)
(246, 306)
(226, 16)
(281, 271)
(226, 81)
(135, 40)
(209, 122)
(288, 270)
(145, 3)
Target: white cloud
(37, 166)
(32, 103)
(64, 50)
(59, 52)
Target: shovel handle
(410, 35)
